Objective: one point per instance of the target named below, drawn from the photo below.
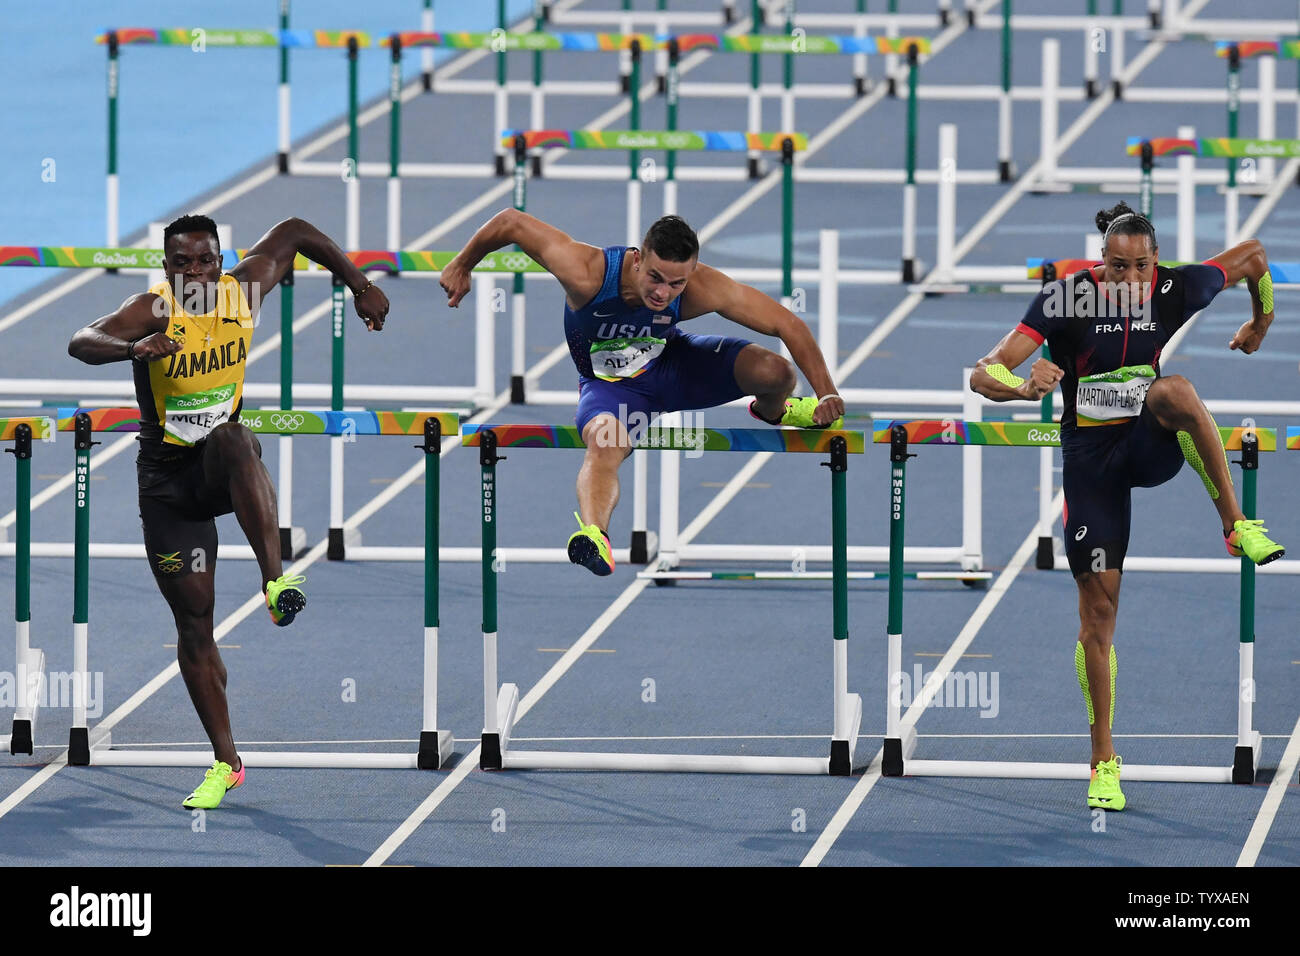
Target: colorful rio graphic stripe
(503, 41)
(376, 260)
(710, 140)
(1282, 272)
(1288, 48)
(1293, 437)
(42, 427)
(1021, 434)
(274, 421)
(675, 439)
(1218, 146)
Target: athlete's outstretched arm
(271, 258)
(994, 376)
(712, 291)
(137, 330)
(580, 268)
(1247, 260)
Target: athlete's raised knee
(1172, 396)
(234, 441)
(763, 372)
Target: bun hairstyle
(1121, 220)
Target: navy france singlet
(612, 341)
(1106, 349)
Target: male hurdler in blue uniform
(621, 314)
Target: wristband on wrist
(363, 290)
(1000, 373)
(130, 350)
(824, 397)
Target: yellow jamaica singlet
(201, 386)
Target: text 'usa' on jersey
(1093, 329)
(611, 340)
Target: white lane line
(470, 760)
(826, 839)
(1286, 770)
(844, 815)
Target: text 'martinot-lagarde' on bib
(202, 385)
(1111, 398)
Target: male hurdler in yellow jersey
(188, 340)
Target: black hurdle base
(1046, 559)
(1243, 765)
(20, 741)
(841, 762)
(891, 762)
(645, 545)
(79, 747)
(1006, 170)
(429, 756)
(490, 752)
(517, 390)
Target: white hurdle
(901, 736)
(501, 701)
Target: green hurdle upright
(501, 701)
(95, 745)
(29, 662)
(900, 734)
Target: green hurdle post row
(434, 745)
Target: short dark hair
(672, 240)
(190, 224)
(1121, 220)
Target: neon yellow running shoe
(1248, 540)
(284, 599)
(1103, 789)
(799, 414)
(590, 547)
(218, 779)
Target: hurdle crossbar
(501, 701)
(901, 738)
(86, 747)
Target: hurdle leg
(435, 745)
(972, 484)
(670, 465)
(484, 341)
(847, 710)
(1186, 200)
(898, 744)
(29, 662)
(499, 705)
(340, 539)
(1245, 759)
(79, 736)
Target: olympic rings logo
(153, 259)
(676, 140)
(514, 261)
(286, 423)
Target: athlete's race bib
(624, 358)
(190, 418)
(1113, 397)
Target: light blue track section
(210, 114)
